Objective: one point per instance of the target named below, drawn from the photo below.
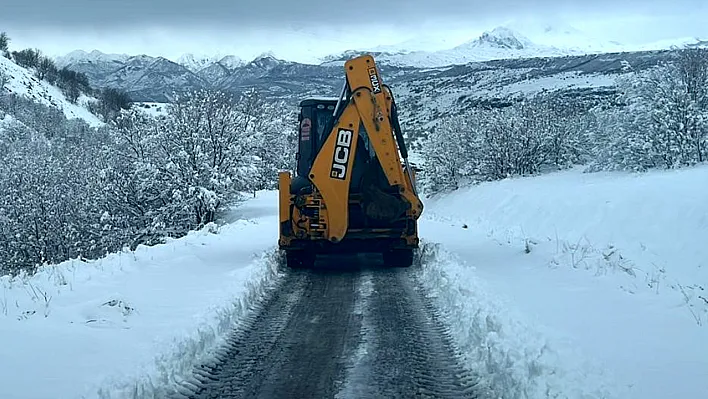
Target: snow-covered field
(22, 82)
(577, 285)
(133, 320)
(568, 285)
(152, 108)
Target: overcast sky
(305, 29)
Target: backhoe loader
(353, 189)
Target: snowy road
(519, 270)
(353, 331)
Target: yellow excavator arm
(369, 105)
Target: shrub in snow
(4, 80)
(4, 44)
(523, 139)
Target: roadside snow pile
(134, 323)
(512, 357)
(594, 284)
(22, 82)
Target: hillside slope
(23, 82)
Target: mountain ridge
(550, 39)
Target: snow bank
(134, 323)
(610, 268)
(512, 357)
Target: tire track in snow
(351, 332)
(409, 353)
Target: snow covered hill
(21, 81)
(427, 95)
(569, 285)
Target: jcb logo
(341, 154)
(375, 81)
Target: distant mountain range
(491, 71)
(155, 79)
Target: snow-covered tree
(68, 190)
(525, 138)
(4, 44)
(272, 137)
(663, 120)
(449, 153)
(4, 80)
(178, 171)
(205, 153)
(50, 199)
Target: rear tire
(299, 259)
(398, 258)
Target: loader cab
(315, 122)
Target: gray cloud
(97, 14)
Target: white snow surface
(23, 82)
(575, 285)
(567, 285)
(560, 81)
(135, 320)
(154, 109)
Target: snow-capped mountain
(144, 77)
(499, 43)
(95, 56)
(153, 77)
(195, 63)
(514, 40)
(558, 34)
(232, 62)
(499, 38)
(214, 72)
(22, 81)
